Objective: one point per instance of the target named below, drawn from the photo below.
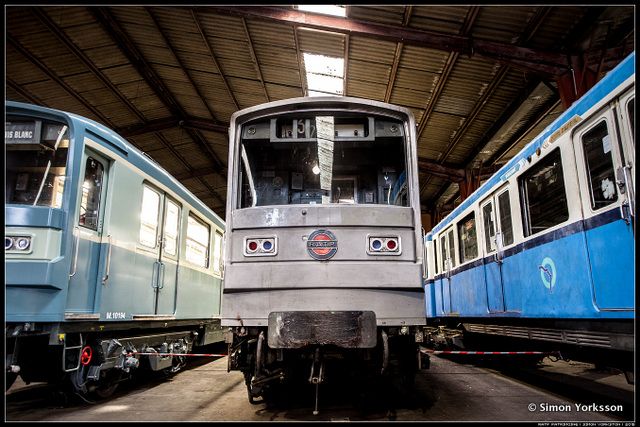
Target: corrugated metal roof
(413, 79)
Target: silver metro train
(323, 255)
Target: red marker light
(252, 246)
(87, 355)
(391, 244)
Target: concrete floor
(449, 391)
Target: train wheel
(108, 384)
(11, 378)
(177, 364)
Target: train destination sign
(22, 132)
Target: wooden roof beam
(444, 171)
(46, 70)
(525, 36)
(129, 49)
(301, 68)
(190, 170)
(396, 57)
(25, 93)
(215, 59)
(470, 19)
(534, 59)
(167, 41)
(48, 22)
(500, 75)
(254, 59)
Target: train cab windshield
(36, 161)
(323, 159)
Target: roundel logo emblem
(322, 244)
(548, 273)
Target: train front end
(323, 255)
(38, 152)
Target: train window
(489, 227)
(452, 251)
(345, 159)
(544, 200)
(197, 242)
(632, 117)
(425, 263)
(91, 192)
(170, 229)
(217, 252)
(468, 243)
(596, 145)
(506, 226)
(443, 247)
(436, 268)
(149, 217)
(36, 161)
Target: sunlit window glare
(334, 10)
(324, 74)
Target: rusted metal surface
(346, 329)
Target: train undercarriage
(606, 344)
(91, 360)
(271, 358)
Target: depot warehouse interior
(306, 194)
(168, 78)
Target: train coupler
(317, 375)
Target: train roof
(126, 150)
(330, 101)
(612, 80)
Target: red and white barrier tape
(177, 354)
(424, 350)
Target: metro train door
(159, 229)
(605, 161)
(168, 258)
(90, 243)
(448, 263)
(498, 232)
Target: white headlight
(23, 243)
(8, 243)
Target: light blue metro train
(106, 255)
(545, 249)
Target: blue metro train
(106, 256)
(545, 249)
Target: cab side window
(91, 192)
(596, 146)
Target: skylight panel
(324, 74)
(334, 10)
(326, 65)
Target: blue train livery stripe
(612, 80)
(576, 227)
